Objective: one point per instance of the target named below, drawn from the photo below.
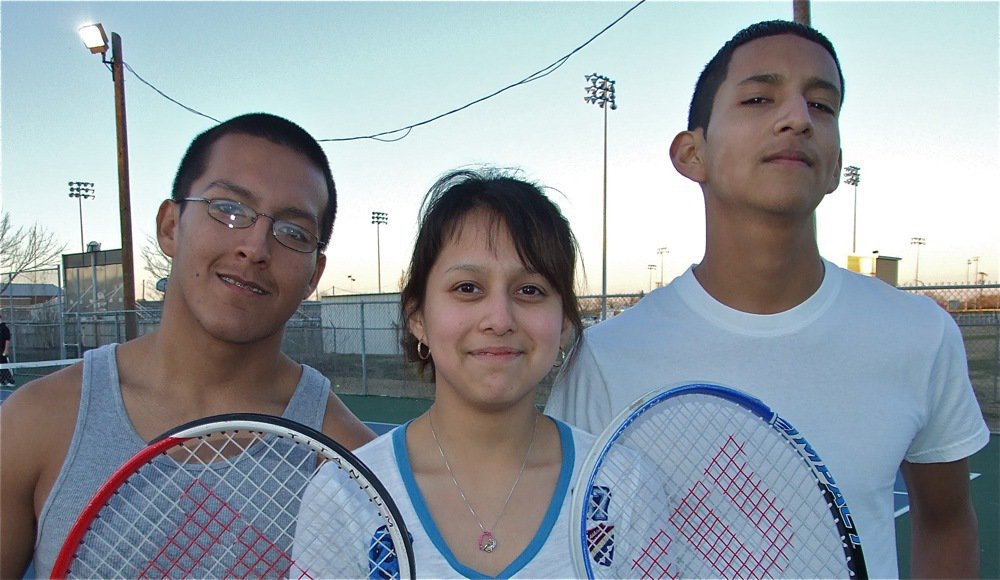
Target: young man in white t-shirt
(875, 378)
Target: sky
(920, 118)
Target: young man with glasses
(252, 208)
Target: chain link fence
(976, 309)
(355, 340)
(32, 306)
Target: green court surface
(985, 485)
(986, 497)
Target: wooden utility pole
(800, 12)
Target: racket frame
(318, 442)
(841, 513)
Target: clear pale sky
(920, 117)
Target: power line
(165, 96)
(408, 128)
(530, 78)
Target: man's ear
(835, 178)
(687, 155)
(317, 274)
(167, 218)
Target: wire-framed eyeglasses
(234, 214)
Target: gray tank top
(104, 439)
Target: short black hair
(541, 235)
(714, 73)
(275, 129)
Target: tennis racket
(705, 481)
(221, 497)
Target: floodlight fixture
(94, 37)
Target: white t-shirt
(547, 556)
(868, 374)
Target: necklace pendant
(487, 542)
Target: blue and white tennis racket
(704, 481)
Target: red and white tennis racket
(705, 481)
(219, 498)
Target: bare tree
(25, 248)
(155, 262)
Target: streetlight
(95, 39)
(852, 176)
(661, 251)
(975, 271)
(601, 92)
(379, 218)
(352, 279)
(917, 242)
(652, 268)
(82, 190)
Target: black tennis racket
(705, 481)
(219, 498)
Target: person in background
(251, 212)
(6, 376)
(875, 378)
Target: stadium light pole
(379, 218)
(95, 39)
(975, 271)
(852, 176)
(601, 92)
(652, 268)
(82, 190)
(661, 252)
(916, 272)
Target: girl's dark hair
(541, 236)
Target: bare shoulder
(45, 411)
(36, 426)
(343, 426)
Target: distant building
(887, 269)
(27, 294)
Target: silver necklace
(487, 541)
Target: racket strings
(343, 532)
(739, 502)
(223, 505)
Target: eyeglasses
(234, 214)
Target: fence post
(364, 358)
(996, 368)
(60, 316)
(13, 323)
